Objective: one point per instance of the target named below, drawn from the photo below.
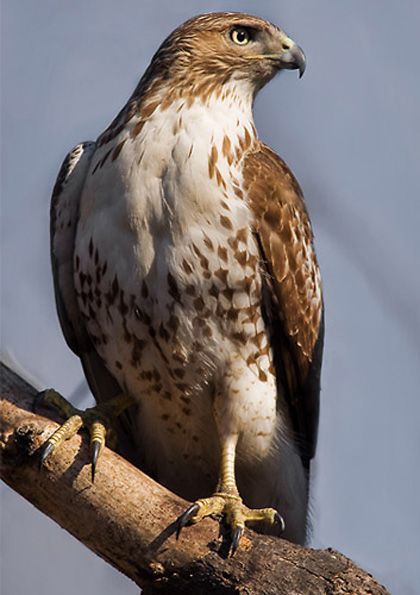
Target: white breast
(151, 215)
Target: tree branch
(125, 517)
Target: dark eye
(240, 35)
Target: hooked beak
(292, 59)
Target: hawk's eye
(240, 35)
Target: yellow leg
(226, 503)
(96, 419)
(227, 480)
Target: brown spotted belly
(177, 338)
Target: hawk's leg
(97, 420)
(226, 503)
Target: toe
(38, 401)
(51, 398)
(64, 432)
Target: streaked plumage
(185, 274)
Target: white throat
(194, 142)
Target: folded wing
(293, 305)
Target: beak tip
(294, 59)
(300, 61)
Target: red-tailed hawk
(186, 280)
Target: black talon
(236, 537)
(280, 520)
(185, 518)
(44, 452)
(96, 448)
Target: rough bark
(125, 517)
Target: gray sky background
(350, 130)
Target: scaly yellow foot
(232, 510)
(226, 503)
(96, 419)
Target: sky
(350, 130)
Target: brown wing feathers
(293, 306)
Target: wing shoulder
(64, 212)
(294, 304)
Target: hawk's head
(216, 48)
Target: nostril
(285, 46)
